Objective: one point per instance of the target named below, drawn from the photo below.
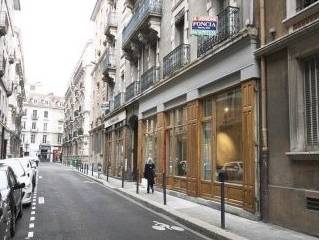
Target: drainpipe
(264, 131)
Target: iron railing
(118, 100)
(150, 77)
(4, 23)
(228, 25)
(132, 90)
(176, 59)
(301, 4)
(112, 21)
(143, 10)
(109, 62)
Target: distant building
(77, 109)
(42, 125)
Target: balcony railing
(132, 90)
(112, 21)
(301, 4)
(228, 25)
(4, 23)
(145, 9)
(34, 117)
(176, 59)
(108, 63)
(150, 77)
(118, 100)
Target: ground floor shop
(193, 141)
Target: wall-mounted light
(226, 109)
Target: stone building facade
(42, 124)
(78, 108)
(289, 54)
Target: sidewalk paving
(202, 218)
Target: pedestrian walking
(149, 174)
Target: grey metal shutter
(311, 92)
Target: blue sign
(205, 26)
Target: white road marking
(162, 227)
(33, 208)
(31, 225)
(30, 234)
(33, 212)
(41, 200)
(40, 177)
(32, 218)
(33, 203)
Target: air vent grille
(312, 203)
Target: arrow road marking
(162, 227)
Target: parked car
(10, 201)
(21, 177)
(30, 169)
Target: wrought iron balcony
(301, 4)
(228, 26)
(150, 77)
(118, 100)
(112, 23)
(4, 23)
(176, 59)
(109, 63)
(143, 11)
(132, 90)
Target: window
(34, 113)
(150, 139)
(45, 114)
(33, 138)
(59, 138)
(228, 130)
(177, 142)
(206, 142)
(44, 139)
(311, 101)
(23, 125)
(34, 125)
(25, 112)
(45, 126)
(22, 138)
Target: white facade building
(78, 100)
(42, 125)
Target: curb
(190, 222)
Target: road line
(41, 200)
(31, 225)
(32, 218)
(33, 208)
(30, 234)
(33, 212)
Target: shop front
(196, 140)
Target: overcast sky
(54, 33)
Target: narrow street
(70, 206)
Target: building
(289, 55)
(42, 124)
(16, 99)
(190, 103)
(107, 46)
(10, 62)
(77, 109)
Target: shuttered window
(311, 101)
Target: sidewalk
(201, 218)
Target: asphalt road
(70, 206)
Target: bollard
(221, 179)
(92, 169)
(122, 177)
(137, 179)
(107, 173)
(164, 185)
(87, 168)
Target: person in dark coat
(149, 174)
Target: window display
(150, 140)
(229, 128)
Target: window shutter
(311, 87)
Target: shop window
(206, 139)
(150, 139)
(177, 142)
(228, 141)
